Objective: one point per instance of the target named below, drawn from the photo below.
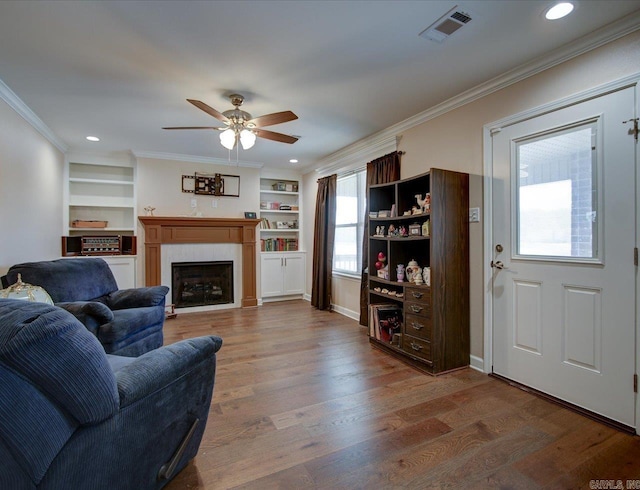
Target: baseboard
(476, 363)
(346, 312)
(338, 309)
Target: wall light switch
(214, 203)
(194, 203)
(474, 215)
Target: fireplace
(177, 231)
(201, 283)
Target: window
(557, 195)
(350, 205)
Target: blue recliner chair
(127, 322)
(74, 417)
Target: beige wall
(160, 186)
(454, 141)
(31, 184)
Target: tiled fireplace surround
(183, 239)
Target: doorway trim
(493, 127)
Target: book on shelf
(279, 244)
(270, 205)
(264, 224)
(385, 320)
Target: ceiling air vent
(446, 25)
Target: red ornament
(381, 256)
(379, 265)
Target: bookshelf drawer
(418, 295)
(418, 326)
(420, 309)
(417, 347)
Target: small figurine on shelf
(403, 231)
(149, 210)
(426, 275)
(417, 278)
(411, 269)
(400, 272)
(426, 228)
(424, 205)
(383, 269)
(392, 230)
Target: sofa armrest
(91, 314)
(160, 367)
(137, 297)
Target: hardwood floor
(301, 400)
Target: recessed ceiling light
(559, 10)
(93, 138)
(293, 160)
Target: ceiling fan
(241, 126)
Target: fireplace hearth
(201, 283)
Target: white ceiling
(121, 70)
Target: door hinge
(634, 130)
(635, 383)
(635, 256)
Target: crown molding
(116, 158)
(158, 155)
(611, 32)
(16, 103)
(359, 154)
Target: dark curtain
(379, 171)
(325, 230)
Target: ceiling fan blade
(271, 135)
(209, 110)
(275, 118)
(194, 127)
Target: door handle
(498, 265)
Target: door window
(556, 195)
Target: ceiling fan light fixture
(241, 127)
(247, 139)
(228, 139)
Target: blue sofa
(127, 322)
(74, 417)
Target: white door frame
(487, 130)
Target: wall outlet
(214, 203)
(194, 203)
(474, 215)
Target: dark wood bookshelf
(435, 331)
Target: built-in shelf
(273, 194)
(101, 191)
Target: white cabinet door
(282, 274)
(123, 269)
(271, 266)
(294, 270)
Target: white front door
(563, 286)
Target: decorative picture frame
(250, 215)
